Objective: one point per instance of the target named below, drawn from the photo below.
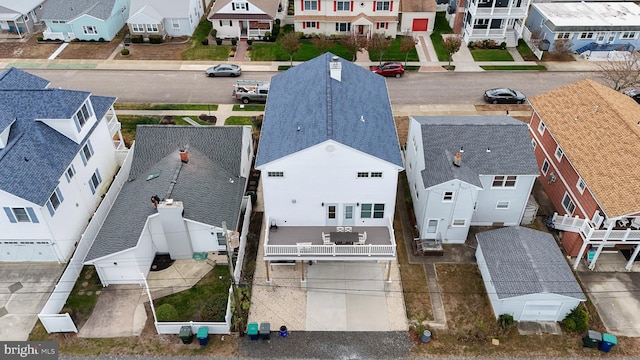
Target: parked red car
(388, 69)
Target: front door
(360, 29)
(348, 215)
(332, 214)
(432, 229)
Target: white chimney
(175, 230)
(336, 68)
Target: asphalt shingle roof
(203, 184)
(523, 261)
(71, 9)
(36, 155)
(507, 139)
(14, 79)
(306, 107)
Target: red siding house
(586, 139)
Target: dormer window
(239, 5)
(82, 116)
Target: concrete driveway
(24, 289)
(615, 294)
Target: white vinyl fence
(526, 35)
(50, 315)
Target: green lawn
(129, 123)
(515, 67)
(394, 53)
(211, 291)
(436, 40)
(442, 25)
(197, 51)
(248, 107)
(268, 51)
(238, 120)
(491, 55)
(148, 106)
(83, 297)
(525, 51)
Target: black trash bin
(591, 339)
(186, 335)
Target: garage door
(420, 24)
(120, 274)
(540, 312)
(26, 251)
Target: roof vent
(461, 149)
(595, 109)
(488, 149)
(335, 68)
(362, 118)
(457, 160)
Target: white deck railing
(588, 233)
(329, 250)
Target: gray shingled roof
(14, 79)
(307, 98)
(202, 185)
(36, 155)
(524, 261)
(71, 9)
(443, 136)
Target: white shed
(526, 275)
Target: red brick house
(586, 138)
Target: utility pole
(234, 286)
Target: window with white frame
(375, 211)
(310, 5)
(275, 173)
(504, 181)
(581, 185)
(382, 5)
(95, 180)
(21, 215)
(152, 27)
(563, 35)
(502, 205)
(628, 35)
(545, 167)
(376, 174)
(541, 127)
(89, 29)
(447, 196)
(343, 27)
(70, 173)
(533, 143)
(343, 6)
(137, 27)
(586, 35)
(432, 226)
(458, 222)
(558, 154)
(568, 204)
(240, 6)
(54, 201)
(362, 174)
(481, 24)
(175, 23)
(87, 152)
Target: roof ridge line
(329, 106)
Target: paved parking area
(24, 289)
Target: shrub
(125, 52)
(234, 41)
(167, 312)
(40, 38)
(276, 31)
(267, 35)
(576, 320)
(204, 41)
(155, 39)
(249, 41)
(506, 322)
(101, 39)
(503, 45)
(218, 41)
(215, 308)
(278, 22)
(136, 39)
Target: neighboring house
(84, 19)
(165, 17)
(497, 20)
(416, 16)
(57, 158)
(586, 27)
(335, 166)
(526, 275)
(19, 17)
(587, 138)
(467, 171)
(183, 184)
(244, 19)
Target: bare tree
(290, 44)
(536, 38)
(353, 44)
(407, 43)
(322, 43)
(562, 46)
(622, 73)
(378, 44)
(451, 45)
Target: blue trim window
(95, 180)
(21, 214)
(82, 116)
(87, 152)
(70, 173)
(54, 201)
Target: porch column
(632, 258)
(583, 248)
(389, 271)
(303, 281)
(266, 265)
(597, 254)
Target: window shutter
(391, 6)
(84, 159)
(319, 2)
(75, 121)
(66, 175)
(221, 23)
(317, 24)
(301, 5)
(90, 147)
(233, 6)
(93, 189)
(352, 6)
(32, 215)
(247, 6)
(337, 27)
(59, 193)
(50, 208)
(386, 26)
(374, 6)
(335, 5)
(10, 215)
(304, 25)
(98, 176)
(377, 25)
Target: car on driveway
(388, 69)
(504, 96)
(224, 70)
(634, 94)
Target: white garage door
(120, 274)
(26, 251)
(540, 311)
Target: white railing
(114, 125)
(49, 316)
(588, 233)
(48, 35)
(526, 35)
(256, 33)
(482, 12)
(330, 250)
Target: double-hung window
(343, 5)
(504, 181)
(82, 116)
(545, 167)
(137, 27)
(568, 204)
(368, 211)
(628, 35)
(581, 186)
(95, 180)
(21, 214)
(54, 201)
(563, 35)
(343, 27)
(541, 127)
(586, 35)
(87, 152)
(310, 5)
(559, 153)
(70, 173)
(152, 27)
(89, 29)
(383, 5)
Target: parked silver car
(224, 70)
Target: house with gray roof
(467, 171)
(18, 18)
(57, 156)
(165, 17)
(330, 157)
(88, 20)
(526, 275)
(184, 183)
(245, 19)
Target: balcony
(112, 123)
(305, 243)
(498, 12)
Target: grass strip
(248, 107)
(154, 106)
(514, 67)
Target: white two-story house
(330, 157)
(245, 19)
(468, 171)
(59, 150)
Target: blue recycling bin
(608, 342)
(203, 335)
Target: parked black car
(634, 94)
(504, 96)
